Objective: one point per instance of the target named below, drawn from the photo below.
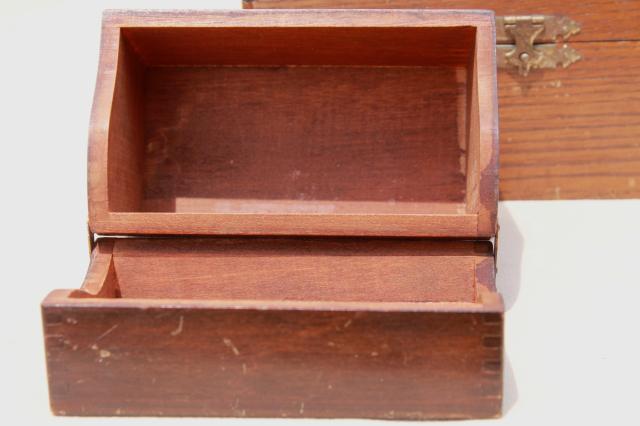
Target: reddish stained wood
(214, 352)
(288, 269)
(126, 133)
(287, 327)
(334, 41)
(199, 359)
(223, 355)
(441, 225)
(101, 279)
(444, 150)
(305, 134)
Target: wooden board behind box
(297, 208)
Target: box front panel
(174, 361)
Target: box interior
(289, 269)
(293, 120)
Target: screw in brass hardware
(529, 42)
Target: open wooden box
(307, 199)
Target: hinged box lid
(314, 122)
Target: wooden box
(295, 211)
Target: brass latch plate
(535, 42)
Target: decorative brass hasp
(535, 42)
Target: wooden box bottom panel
(273, 359)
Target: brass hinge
(91, 238)
(496, 241)
(535, 42)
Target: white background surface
(568, 270)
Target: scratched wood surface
(292, 144)
(567, 133)
(246, 326)
(121, 357)
(121, 347)
(233, 123)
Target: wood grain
(126, 133)
(189, 137)
(101, 279)
(565, 133)
(330, 42)
(314, 108)
(442, 225)
(304, 134)
(602, 20)
(204, 358)
(288, 269)
(575, 132)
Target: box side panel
(273, 363)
